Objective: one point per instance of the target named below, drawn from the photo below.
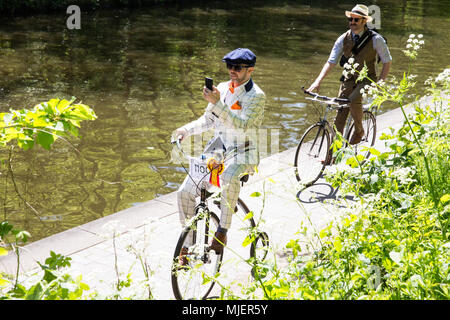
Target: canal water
(142, 72)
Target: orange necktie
(231, 86)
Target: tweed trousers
(350, 90)
(230, 187)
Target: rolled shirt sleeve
(337, 50)
(380, 46)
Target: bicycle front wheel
(195, 280)
(312, 154)
(370, 131)
(245, 235)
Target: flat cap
(240, 56)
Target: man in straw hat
(363, 45)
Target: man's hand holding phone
(210, 92)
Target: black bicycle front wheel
(312, 155)
(244, 236)
(259, 240)
(195, 280)
(370, 132)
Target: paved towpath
(153, 228)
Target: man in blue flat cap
(235, 112)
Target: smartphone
(209, 83)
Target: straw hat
(360, 10)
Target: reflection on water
(142, 71)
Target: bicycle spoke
(193, 281)
(368, 140)
(312, 154)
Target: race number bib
(198, 169)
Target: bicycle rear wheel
(196, 279)
(312, 154)
(370, 132)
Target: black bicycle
(313, 151)
(196, 278)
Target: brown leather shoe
(182, 259)
(219, 240)
(356, 137)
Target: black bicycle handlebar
(325, 98)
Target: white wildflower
(403, 175)
(351, 60)
(444, 76)
(408, 46)
(356, 65)
(347, 66)
(420, 36)
(428, 81)
(412, 35)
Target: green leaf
(3, 282)
(34, 293)
(22, 235)
(255, 194)
(293, 244)
(205, 278)
(248, 215)
(445, 198)
(338, 244)
(25, 144)
(352, 162)
(374, 151)
(45, 139)
(3, 252)
(249, 239)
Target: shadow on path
(319, 192)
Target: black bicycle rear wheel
(313, 153)
(370, 132)
(196, 280)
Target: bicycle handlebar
(325, 98)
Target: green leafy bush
(45, 123)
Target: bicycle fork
(202, 206)
(322, 125)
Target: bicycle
(196, 280)
(313, 151)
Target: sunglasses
(354, 19)
(235, 67)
